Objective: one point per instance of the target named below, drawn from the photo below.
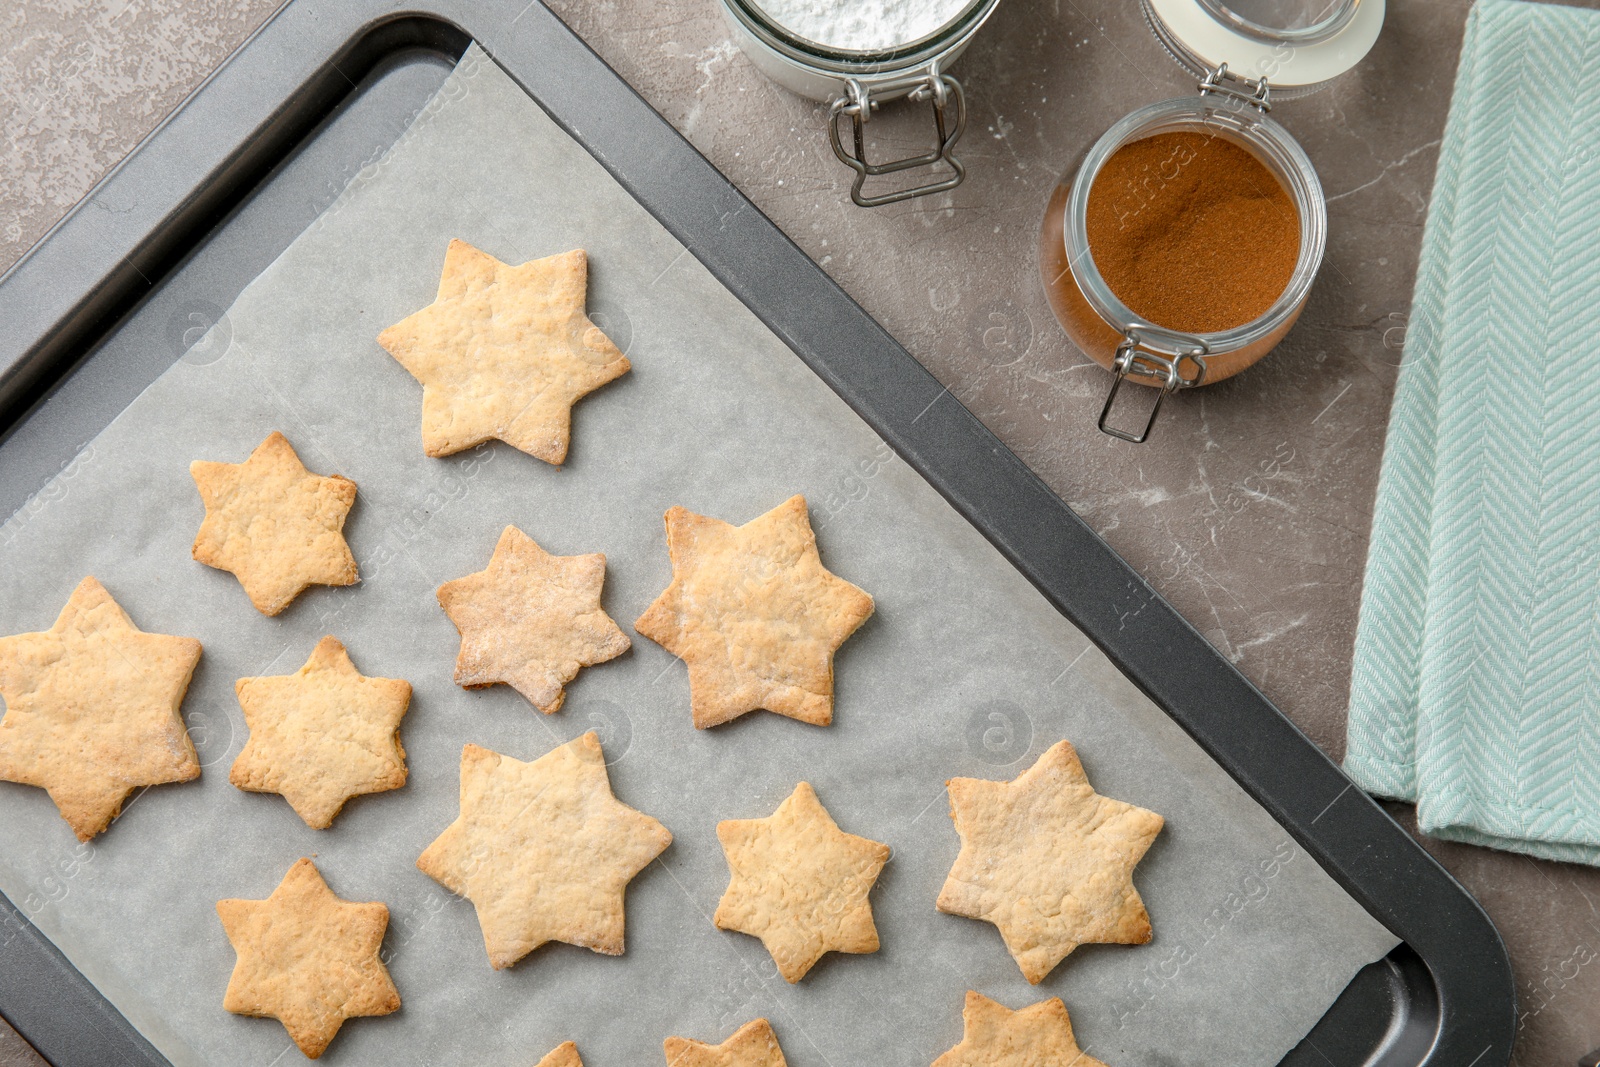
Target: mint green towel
(1476, 685)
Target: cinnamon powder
(1192, 232)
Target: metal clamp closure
(944, 92)
(1142, 356)
(1257, 93)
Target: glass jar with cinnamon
(1182, 248)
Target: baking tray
(114, 293)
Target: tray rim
(80, 279)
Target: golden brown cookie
(91, 709)
(275, 525)
(563, 1055)
(531, 620)
(322, 735)
(799, 883)
(752, 1045)
(1039, 1035)
(1049, 861)
(504, 352)
(543, 850)
(307, 958)
(754, 614)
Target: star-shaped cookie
(752, 1045)
(91, 709)
(563, 1055)
(1049, 861)
(543, 850)
(504, 352)
(754, 614)
(799, 883)
(1039, 1035)
(307, 958)
(322, 735)
(531, 620)
(275, 525)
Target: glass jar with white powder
(854, 55)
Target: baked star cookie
(91, 709)
(543, 850)
(531, 620)
(799, 883)
(563, 1055)
(754, 614)
(1035, 1036)
(752, 1045)
(1049, 861)
(322, 735)
(504, 352)
(275, 525)
(307, 958)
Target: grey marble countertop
(1249, 509)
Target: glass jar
(854, 83)
(1293, 45)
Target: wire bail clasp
(1256, 93)
(945, 94)
(1140, 356)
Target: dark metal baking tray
(113, 294)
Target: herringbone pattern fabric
(1476, 685)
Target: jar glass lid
(1294, 44)
(1302, 21)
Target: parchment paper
(964, 670)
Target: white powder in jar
(862, 25)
